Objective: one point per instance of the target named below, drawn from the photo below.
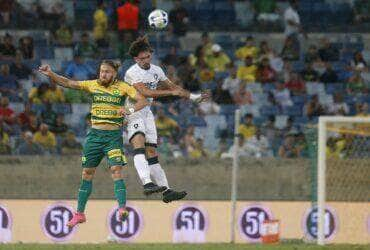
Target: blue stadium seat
(62, 108)
(269, 110)
(227, 110)
(292, 111)
(197, 121)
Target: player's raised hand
(123, 112)
(45, 69)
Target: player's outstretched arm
(186, 94)
(140, 87)
(61, 80)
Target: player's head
(142, 52)
(108, 72)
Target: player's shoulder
(155, 68)
(122, 84)
(133, 69)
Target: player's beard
(145, 66)
(106, 82)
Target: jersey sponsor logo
(5, 225)
(83, 159)
(190, 224)
(106, 112)
(310, 226)
(127, 230)
(251, 220)
(54, 222)
(105, 98)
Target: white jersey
(143, 120)
(150, 77)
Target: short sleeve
(86, 85)
(129, 90)
(161, 75)
(132, 78)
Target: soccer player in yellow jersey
(105, 137)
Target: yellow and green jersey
(106, 101)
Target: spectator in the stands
(19, 69)
(327, 51)
(231, 83)
(295, 84)
(313, 108)
(247, 129)
(265, 11)
(26, 47)
(100, 25)
(248, 49)
(28, 146)
(178, 18)
(185, 69)
(48, 115)
(33, 124)
(258, 145)
(329, 75)
(218, 60)
(23, 118)
(265, 74)
(205, 73)
(282, 95)
(209, 106)
(264, 51)
(6, 7)
(361, 9)
(248, 71)
(54, 94)
(172, 58)
(290, 51)
(69, 145)
(205, 48)
(221, 96)
(4, 141)
(7, 48)
(356, 83)
(358, 62)
(79, 70)
(45, 138)
(85, 48)
(192, 83)
(63, 35)
(339, 107)
(167, 127)
(38, 94)
(8, 83)
(6, 113)
(242, 96)
(242, 151)
(60, 127)
(128, 19)
(289, 147)
(362, 109)
(271, 132)
(312, 55)
(309, 74)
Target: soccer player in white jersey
(142, 132)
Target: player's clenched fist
(45, 69)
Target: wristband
(131, 111)
(194, 97)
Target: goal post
(343, 152)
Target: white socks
(142, 168)
(158, 175)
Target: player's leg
(156, 171)
(116, 160)
(136, 135)
(92, 155)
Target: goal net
(343, 167)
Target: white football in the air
(158, 19)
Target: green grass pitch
(178, 247)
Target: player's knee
(138, 140)
(151, 152)
(116, 172)
(88, 173)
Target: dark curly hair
(141, 44)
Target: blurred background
(283, 63)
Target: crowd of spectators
(253, 76)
